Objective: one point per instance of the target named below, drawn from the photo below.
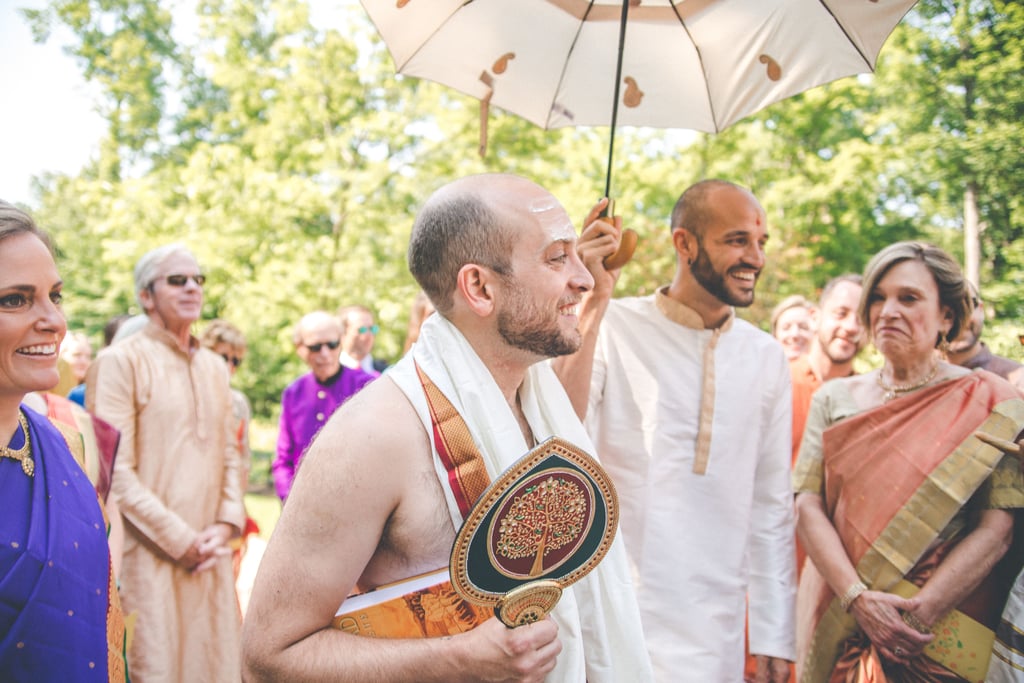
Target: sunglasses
(315, 348)
(369, 328)
(234, 360)
(178, 280)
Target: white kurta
(699, 543)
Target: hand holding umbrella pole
(627, 243)
(700, 65)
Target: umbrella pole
(615, 100)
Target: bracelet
(851, 594)
(913, 622)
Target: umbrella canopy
(697, 64)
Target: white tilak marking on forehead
(553, 219)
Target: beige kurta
(176, 473)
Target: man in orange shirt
(834, 346)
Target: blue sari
(60, 619)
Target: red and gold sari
(899, 483)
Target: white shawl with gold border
(598, 619)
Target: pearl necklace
(892, 391)
(23, 454)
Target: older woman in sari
(903, 510)
(59, 613)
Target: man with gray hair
(175, 479)
(308, 402)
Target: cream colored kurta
(176, 473)
(669, 397)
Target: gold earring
(944, 347)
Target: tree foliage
(288, 155)
(951, 105)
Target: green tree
(292, 159)
(125, 46)
(954, 101)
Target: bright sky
(47, 117)
(47, 122)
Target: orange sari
(897, 482)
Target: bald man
(496, 254)
(690, 408)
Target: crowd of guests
(785, 514)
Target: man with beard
(969, 351)
(690, 409)
(834, 346)
(381, 495)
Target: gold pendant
(23, 454)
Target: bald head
(471, 220)
(696, 206)
(316, 320)
(317, 337)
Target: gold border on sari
(914, 528)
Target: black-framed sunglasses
(369, 328)
(315, 348)
(234, 360)
(179, 280)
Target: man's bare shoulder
(1016, 378)
(365, 461)
(356, 474)
(370, 470)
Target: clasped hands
(771, 669)
(210, 545)
(881, 616)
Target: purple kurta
(305, 406)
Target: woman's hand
(880, 615)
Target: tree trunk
(972, 234)
(538, 560)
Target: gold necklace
(23, 454)
(892, 391)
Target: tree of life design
(544, 517)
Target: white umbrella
(697, 64)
